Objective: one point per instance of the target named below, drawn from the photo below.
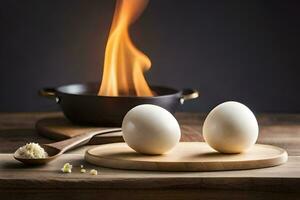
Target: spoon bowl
(52, 154)
(56, 149)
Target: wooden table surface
(47, 182)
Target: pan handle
(188, 94)
(49, 93)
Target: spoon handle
(80, 140)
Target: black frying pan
(81, 105)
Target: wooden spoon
(56, 149)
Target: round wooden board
(186, 156)
(59, 128)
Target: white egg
(150, 129)
(231, 127)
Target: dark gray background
(230, 50)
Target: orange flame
(124, 64)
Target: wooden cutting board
(186, 156)
(59, 128)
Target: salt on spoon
(35, 154)
(31, 151)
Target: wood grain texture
(141, 194)
(186, 156)
(47, 182)
(15, 175)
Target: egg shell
(150, 129)
(230, 127)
